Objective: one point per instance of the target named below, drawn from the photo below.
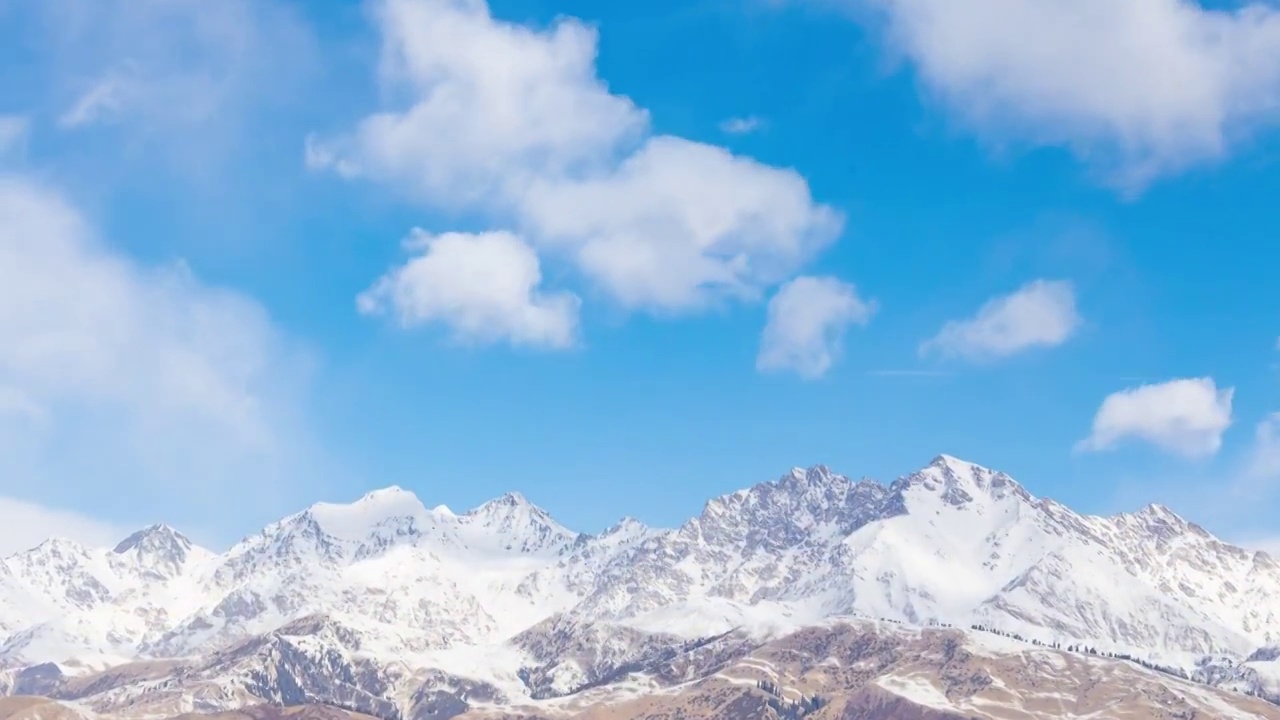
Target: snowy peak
(159, 551)
(507, 501)
(627, 530)
(771, 516)
(361, 519)
(1159, 523)
(155, 537)
(58, 547)
(511, 523)
(816, 476)
(390, 495)
(627, 526)
(334, 534)
(958, 482)
(954, 542)
(511, 507)
(1161, 518)
(382, 520)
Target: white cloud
(1264, 463)
(807, 320)
(491, 105)
(1185, 417)
(1041, 313)
(175, 85)
(741, 125)
(103, 101)
(166, 60)
(680, 224)
(124, 385)
(513, 122)
(1097, 76)
(483, 286)
(23, 525)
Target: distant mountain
(385, 607)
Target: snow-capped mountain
(505, 603)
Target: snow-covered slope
(479, 595)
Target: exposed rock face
(881, 671)
(387, 608)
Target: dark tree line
(789, 709)
(1090, 650)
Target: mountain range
(388, 608)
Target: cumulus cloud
(483, 286)
(122, 384)
(807, 321)
(1185, 417)
(513, 122)
(741, 125)
(1041, 313)
(491, 105)
(679, 224)
(1096, 75)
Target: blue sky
(625, 257)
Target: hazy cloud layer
(120, 381)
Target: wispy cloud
(742, 125)
(910, 373)
(122, 384)
(807, 321)
(1040, 314)
(181, 84)
(104, 101)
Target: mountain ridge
(820, 471)
(384, 577)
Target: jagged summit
(1159, 513)
(158, 550)
(815, 475)
(626, 524)
(1161, 521)
(55, 546)
(506, 501)
(153, 537)
(959, 482)
(511, 507)
(385, 577)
